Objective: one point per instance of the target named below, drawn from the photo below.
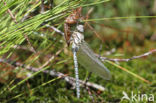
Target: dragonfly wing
(88, 59)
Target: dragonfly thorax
(77, 39)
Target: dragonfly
(81, 51)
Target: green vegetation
(115, 29)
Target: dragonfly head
(80, 28)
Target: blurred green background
(119, 38)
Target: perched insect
(72, 19)
(85, 55)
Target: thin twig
(52, 57)
(86, 23)
(25, 16)
(42, 6)
(87, 15)
(56, 30)
(53, 73)
(22, 48)
(97, 34)
(28, 13)
(29, 43)
(10, 13)
(128, 59)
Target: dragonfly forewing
(88, 59)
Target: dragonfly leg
(87, 78)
